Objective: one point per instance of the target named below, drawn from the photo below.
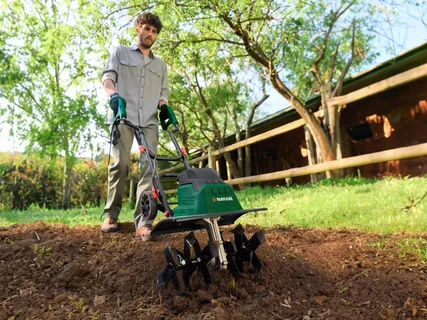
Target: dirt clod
(204, 296)
(98, 301)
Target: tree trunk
(233, 169)
(66, 183)
(256, 52)
(240, 167)
(319, 135)
(248, 162)
(248, 154)
(311, 152)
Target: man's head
(147, 27)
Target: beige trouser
(119, 169)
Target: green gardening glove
(167, 117)
(118, 105)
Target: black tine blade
(186, 275)
(190, 237)
(176, 285)
(232, 266)
(205, 252)
(238, 230)
(213, 249)
(171, 255)
(255, 262)
(239, 263)
(164, 276)
(229, 248)
(257, 239)
(189, 241)
(206, 275)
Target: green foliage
(24, 181)
(47, 64)
(33, 181)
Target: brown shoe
(144, 233)
(109, 225)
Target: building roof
(407, 60)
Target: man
(134, 77)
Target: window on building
(360, 131)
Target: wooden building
(391, 119)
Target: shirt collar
(134, 47)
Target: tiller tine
(178, 261)
(230, 248)
(198, 262)
(217, 255)
(246, 248)
(174, 262)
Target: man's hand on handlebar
(167, 117)
(118, 105)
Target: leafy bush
(29, 180)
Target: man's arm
(110, 87)
(109, 75)
(164, 92)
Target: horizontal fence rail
(371, 158)
(260, 137)
(266, 135)
(381, 86)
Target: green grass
(368, 205)
(89, 216)
(417, 246)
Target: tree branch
(340, 82)
(255, 106)
(332, 62)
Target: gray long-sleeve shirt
(141, 82)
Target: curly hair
(150, 19)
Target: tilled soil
(61, 272)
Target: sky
(409, 34)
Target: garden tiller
(204, 202)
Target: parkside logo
(223, 199)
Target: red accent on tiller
(141, 149)
(183, 151)
(154, 193)
(166, 214)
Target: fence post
(131, 189)
(228, 171)
(218, 168)
(211, 158)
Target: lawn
(384, 206)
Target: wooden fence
(395, 154)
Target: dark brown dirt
(61, 272)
